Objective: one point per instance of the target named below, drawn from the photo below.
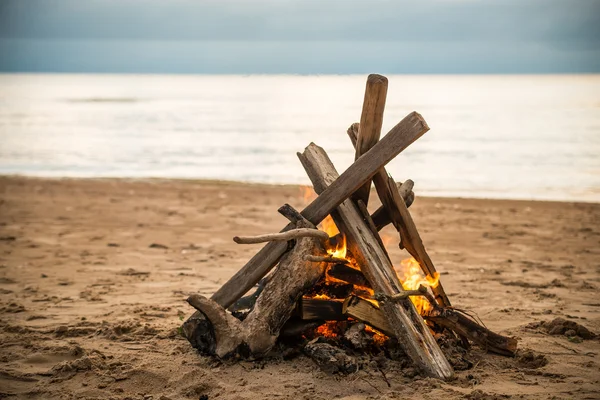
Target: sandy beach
(94, 274)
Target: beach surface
(94, 274)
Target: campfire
(329, 286)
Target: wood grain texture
(408, 326)
(412, 127)
(371, 120)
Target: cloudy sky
(300, 36)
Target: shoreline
(89, 308)
(226, 182)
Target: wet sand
(90, 309)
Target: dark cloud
(475, 30)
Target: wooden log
(381, 217)
(365, 311)
(371, 120)
(260, 330)
(412, 127)
(408, 326)
(283, 236)
(296, 327)
(348, 274)
(320, 309)
(466, 327)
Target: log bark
(371, 120)
(348, 274)
(260, 330)
(408, 326)
(367, 312)
(412, 127)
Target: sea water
(521, 137)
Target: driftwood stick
(407, 325)
(283, 236)
(371, 120)
(398, 138)
(326, 259)
(274, 306)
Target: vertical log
(371, 120)
(407, 324)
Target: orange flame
(412, 277)
(308, 194)
(378, 337)
(328, 329)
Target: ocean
(517, 137)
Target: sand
(94, 275)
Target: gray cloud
(473, 36)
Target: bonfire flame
(338, 249)
(412, 277)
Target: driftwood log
(258, 333)
(408, 130)
(408, 326)
(454, 320)
(283, 236)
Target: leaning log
(408, 326)
(274, 306)
(412, 127)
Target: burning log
(320, 309)
(408, 326)
(365, 311)
(400, 137)
(348, 274)
(276, 303)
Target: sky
(300, 36)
